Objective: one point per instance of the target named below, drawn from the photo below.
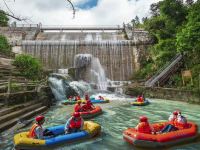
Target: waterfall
(82, 60)
(90, 69)
(63, 87)
(57, 88)
(98, 75)
(116, 57)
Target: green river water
(117, 116)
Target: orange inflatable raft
(162, 139)
(92, 113)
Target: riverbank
(23, 105)
(165, 93)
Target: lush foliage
(30, 67)
(4, 45)
(3, 19)
(175, 27)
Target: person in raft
(181, 121)
(78, 107)
(37, 132)
(88, 106)
(100, 97)
(144, 126)
(70, 98)
(140, 98)
(87, 97)
(172, 126)
(74, 124)
(77, 98)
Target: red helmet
(175, 113)
(39, 118)
(143, 119)
(76, 114)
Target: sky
(88, 12)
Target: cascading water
(92, 69)
(98, 75)
(57, 88)
(62, 86)
(117, 57)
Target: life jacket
(172, 120)
(144, 127)
(75, 123)
(140, 99)
(77, 108)
(32, 133)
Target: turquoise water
(114, 120)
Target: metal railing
(163, 71)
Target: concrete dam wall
(118, 56)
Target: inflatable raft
(99, 101)
(70, 102)
(160, 140)
(90, 114)
(135, 103)
(22, 141)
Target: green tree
(30, 67)
(4, 45)
(188, 39)
(3, 19)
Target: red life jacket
(32, 133)
(75, 124)
(77, 108)
(144, 127)
(140, 99)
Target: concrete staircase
(11, 115)
(164, 73)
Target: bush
(4, 45)
(29, 67)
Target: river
(116, 117)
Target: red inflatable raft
(162, 139)
(92, 113)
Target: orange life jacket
(144, 127)
(77, 108)
(75, 124)
(32, 133)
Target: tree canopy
(3, 19)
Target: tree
(174, 11)
(188, 38)
(154, 8)
(3, 19)
(9, 13)
(189, 2)
(30, 67)
(4, 45)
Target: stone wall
(44, 95)
(14, 36)
(165, 93)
